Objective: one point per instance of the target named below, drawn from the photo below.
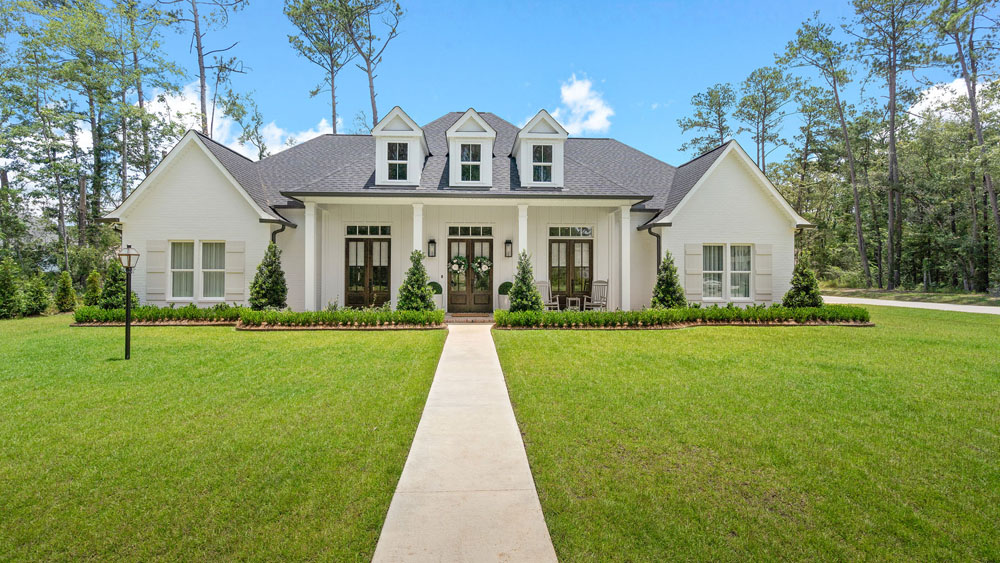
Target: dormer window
(471, 161)
(397, 159)
(541, 163)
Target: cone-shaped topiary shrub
(269, 290)
(65, 294)
(10, 292)
(37, 297)
(805, 288)
(668, 293)
(92, 292)
(113, 292)
(415, 294)
(524, 295)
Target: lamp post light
(129, 257)
(431, 248)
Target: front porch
(355, 251)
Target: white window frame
(722, 273)
(462, 162)
(731, 271)
(369, 226)
(171, 270)
(727, 272)
(390, 162)
(542, 164)
(202, 271)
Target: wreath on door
(482, 266)
(458, 264)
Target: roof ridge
(706, 153)
(217, 143)
(588, 167)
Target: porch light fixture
(508, 249)
(432, 248)
(129, 257)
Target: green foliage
(92, 292)
(10, 291)
(269, 289)
(805, 288)
(221, 312)
(347, 318)
(65, 294)
(504, 288)
(113, 292)
(436, 288)
(667, 292)
(37, 296)
(667, 317)
(414, 294)
(711, 118)
(524, 295)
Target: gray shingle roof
(345, 165)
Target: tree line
(899, 186)
(85, 94)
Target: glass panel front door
(571, 268)
(368, 273)
(468, 291)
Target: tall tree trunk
(61, 198)
(333, 95)
(893, 173)
(124, 155)
(4, 204)
(143, 122)
(858, 230)
(202, 80)
(371, 91)
(97, 178)
(974, 231)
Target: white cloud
(654, 106)
(937, 95)
(583, 109)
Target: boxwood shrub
(665, 317)
(151, 313)
(372, 317)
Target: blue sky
(636, 64)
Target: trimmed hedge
(154, 314)
(374, 317)
(667, 317)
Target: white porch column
(626, 214)
(418, 226)
(522, 228)
(310, 266)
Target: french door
(571, 268)
(367, 272)
(469, 292)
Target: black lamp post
(129, 257)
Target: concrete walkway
(912, 304)
(466, 492)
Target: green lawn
(732, 443)
(926, 297)
(210, 444)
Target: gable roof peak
(471, 124)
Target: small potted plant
(438, 291)
(504, 290)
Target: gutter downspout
(659, 246)
(274, 234)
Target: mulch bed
(682, 325)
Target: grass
(731, 443)
(208, 444)
(953, 298)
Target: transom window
(470, 231)
(369, 230)
(213, 270)
(182, 270)
(397, 159)
(578, 231)
(715, 268)
(541, 163)
(471, 158)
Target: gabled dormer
(470, 151)
(538, 150)
(400, 150)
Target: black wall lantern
(508, 249)
(432, 248)
(129, 257)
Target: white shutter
(235, 267)
(692, 271)
(762, 273)
(156, 271)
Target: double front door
(469, 291)
(367, 272)
(571, 268)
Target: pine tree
(524, 295)
(415, 294)
(268, 289)
(113, 293)
(805, 288)
(668, 293)
(10, 298)
(36, 297)
(92, 293)
(65, 294)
